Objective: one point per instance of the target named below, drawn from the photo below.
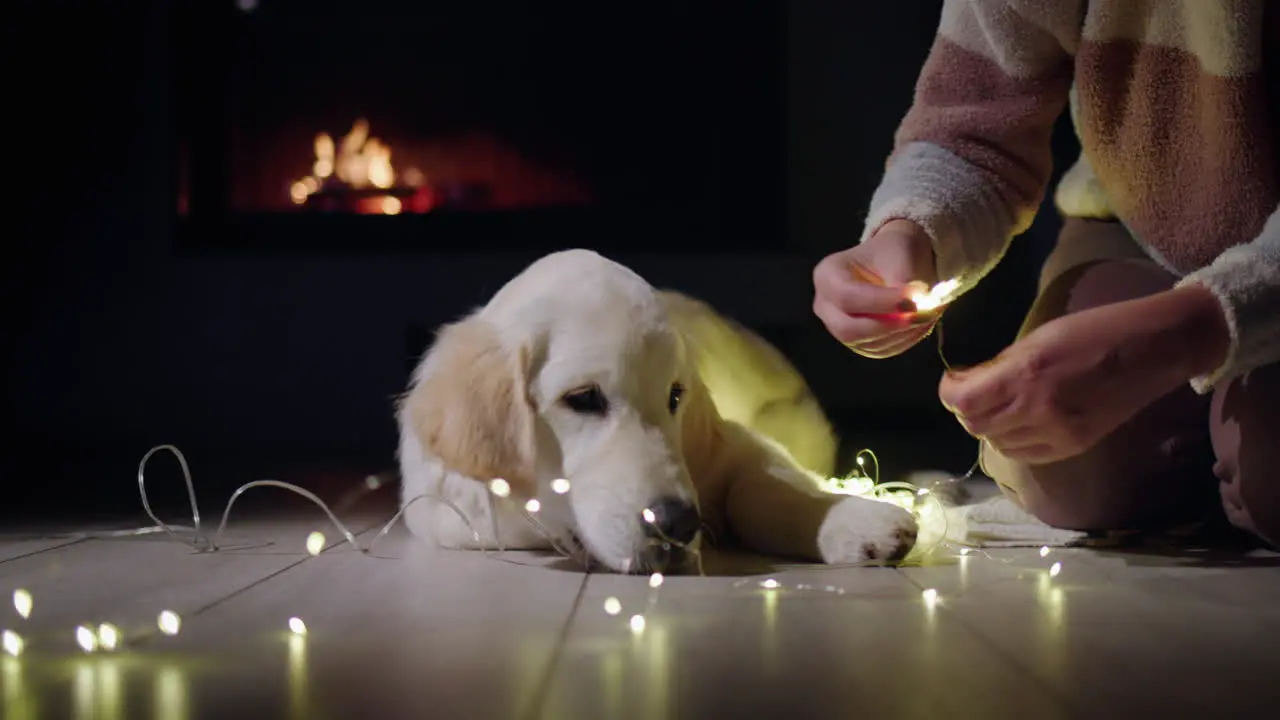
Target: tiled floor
(412, 632)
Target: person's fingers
(850, 329)
(994, 421)
(1036, 454)
(855, 289)
(975, 392)
(897, 341)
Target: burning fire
(356, 162)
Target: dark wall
(116, 344)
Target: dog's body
(664, 416)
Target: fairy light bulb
(23, 602)
(637, 624)
(12, 643)
(612, 606)
(108, 636)
(533, 505)
(930, 597)
(499, 487)
(169, 622)
(1055, 569)
(1044, 550)
(656, 580)
(770, 584)
(648, 516)
(861, 461)
(297, 627)
(560, 486)
(936, 296)
(315, 543)
(86, 639)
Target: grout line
(544, 686)
(1001, 653)
(51, 548)
(151, 634)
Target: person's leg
(1245, 423)
(1155, 470)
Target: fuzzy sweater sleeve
(972, 158)
(1246, 280)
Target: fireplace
(315, 125)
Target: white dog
(666, 419)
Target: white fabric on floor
(989, 519)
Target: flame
(358, 160)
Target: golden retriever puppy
(666, 419)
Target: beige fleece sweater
(1175, 105)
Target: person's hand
(1067, 384)
(862, 295)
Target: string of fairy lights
(864, 481)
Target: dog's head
(574, 372)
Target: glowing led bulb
(655, 580)
(930, 597)
(297, 626)
(373, 482)
(315, 542)
(499, 487)
(648, 516)
(86, 639)
(861, 461)
(560, 486)
(108, 636)
(936, 296)
(533, 505)
(22, 602)
(637, 623)
(1044, 550)
(13, 643)
(770, 584)
(612, 606)
(922, 491)
(169, 622)
(964, 551)
(1055, 569)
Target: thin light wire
(977, 462)
(200, 543)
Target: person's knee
(1245, 414)
(1045, 492)
(1098, 490)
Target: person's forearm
(972, 157)
(1197, 337)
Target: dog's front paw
(858, 530)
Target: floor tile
(824, 643)
(1123, 634)
(405, 632)
(128, 581)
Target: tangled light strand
(202, 544)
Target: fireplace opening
(313, 124)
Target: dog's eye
(673, 400)
(587, 401)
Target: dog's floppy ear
(702, 434)
(469, 406)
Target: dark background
(732, 148)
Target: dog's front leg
(777, 508)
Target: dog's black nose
(673, 520)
